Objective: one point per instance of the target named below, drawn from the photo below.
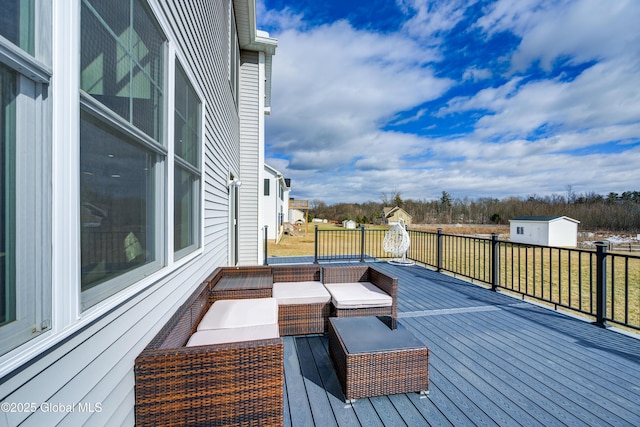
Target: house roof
(542, 218)
(286, 182)
(250, 38)
(388, 211)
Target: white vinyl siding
(251, 159)
(89, 355)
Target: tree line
(610, 212)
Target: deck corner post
(494, 261)
(315, 245)
(439, 250)
(362, 241)
(266, 245)
(601, 282)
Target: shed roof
(548, 218)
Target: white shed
(349, 224)
(545, 230)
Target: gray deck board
(495, 360)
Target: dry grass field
(303, 241)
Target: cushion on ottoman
(358, 295)
(300, 293)
(239, 313)
(220, 336)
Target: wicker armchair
(363, 273)
(223, 384)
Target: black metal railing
(600, 284)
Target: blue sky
(477, 98)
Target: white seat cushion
(358, 295)
(300, 293)
(240, 313)
(220, 336)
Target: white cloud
(476, 74)
(606, 94)
(428, 19)
(575, 31)
(336, 88)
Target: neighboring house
(126, 130)
(276, 190)
(298, 211)
(545, 230)
(396, 214)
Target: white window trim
(198, 246)
(32, 174)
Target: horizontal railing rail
(349, 244)
(600, 284)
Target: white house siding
(86, 360)
(270, 203)
(251, 159)
(276, 204)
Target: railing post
(439, 250)
(494, 261)
(266, 243)
(601, 283)
(315, 256)
(361, 243)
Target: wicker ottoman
(376, 356)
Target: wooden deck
(495, 360)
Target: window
(267, 186)
(117, 206)
(121, 152)
(17, 23)
(25, 273)
(122, 61)
(187, 166)
(8, 89)
(519, 230)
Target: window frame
(194, 171)
(29, 193)
(102, 291)
(110, 287)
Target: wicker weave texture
(296, 273)
(379, 373)
(239, 294)
(356, 312)
(225, 384)
(303, 319)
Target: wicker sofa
(238, 383)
